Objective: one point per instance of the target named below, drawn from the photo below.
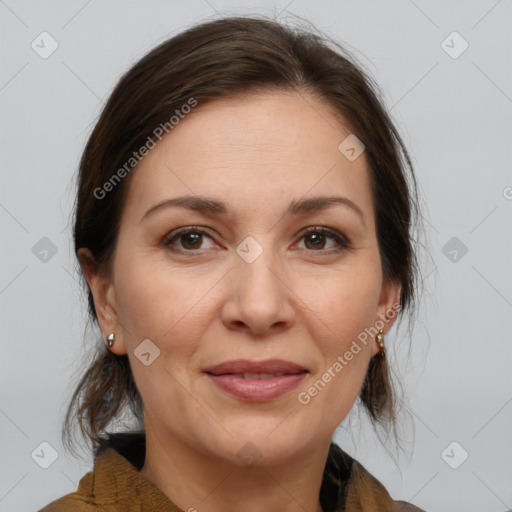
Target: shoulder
(114, 484)
(77, 501)
(72, 503)
(366, 494)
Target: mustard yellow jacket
(116, 485)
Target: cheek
(168, 308)
(152, 300)
(343, 308)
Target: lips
(256, 369)
(256, 381)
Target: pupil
(191, 238)
(316, 239)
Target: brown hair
(219, 58)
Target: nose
(260, 300)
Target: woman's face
(239, 277)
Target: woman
(243, 223)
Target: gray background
(455, 116)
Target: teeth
(252, 376)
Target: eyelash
(343, 242)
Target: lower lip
(257, 390)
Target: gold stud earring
(379, 338)
(110, 339)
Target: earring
(379, 338)
(110, 339)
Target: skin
(298, 300)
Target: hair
(217, 59)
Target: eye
(190, 238)
(316, 238)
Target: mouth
(256, 381)
(272, 367)
(253, 376)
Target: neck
(196, 481)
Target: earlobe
(103, 293)
(389, 304)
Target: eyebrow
(213, 207)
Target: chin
(258, 443)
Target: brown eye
(189, 239)
(317, 238)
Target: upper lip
(239, 366)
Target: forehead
(267, 148)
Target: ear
(387, 309)
(103, 292)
